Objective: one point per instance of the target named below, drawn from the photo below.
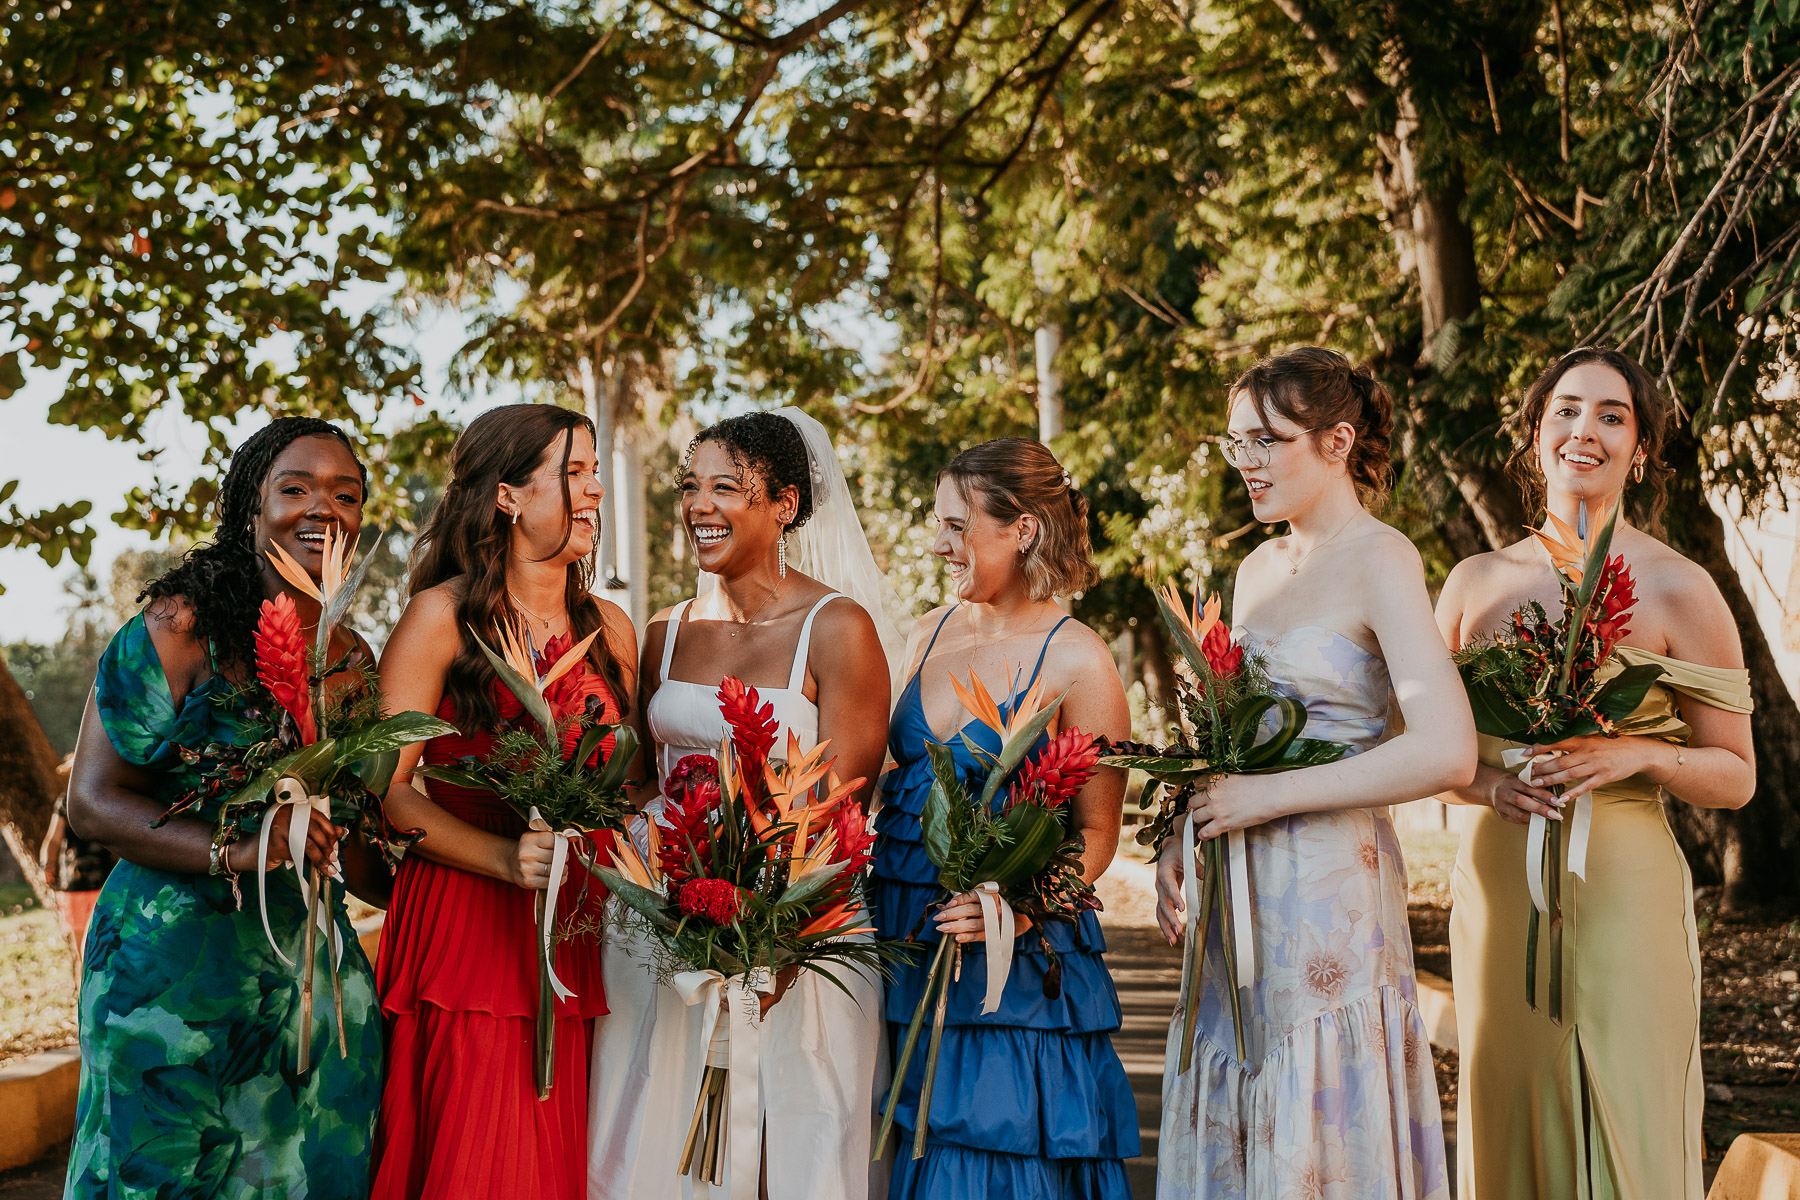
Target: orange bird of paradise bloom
(1199, 620)
(1568, 550)
(980, 705)
(515, 648)
(339, 552)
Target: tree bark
(1754, 851)
(28, 783)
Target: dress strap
(675, 619)
(933, 642)
(1046, 649)
(797, 676)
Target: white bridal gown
(822, 1054)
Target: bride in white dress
(797, 609)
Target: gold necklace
(529, 611)
(1302, 559)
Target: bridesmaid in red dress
(511, 539)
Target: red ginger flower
(854, 839)
(752, 727)
(1224, 656)
(689, 836)
(718, 900)
(281, 663)
(1060, 770)
(1617, 595)
(569, 692)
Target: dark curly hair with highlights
(222, 579)
(767, 450)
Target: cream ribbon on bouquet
(1579, 826)
(731, 1038)
(999, 927)
(291, 794)
(559, 862)
(1242, 929)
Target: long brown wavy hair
(466, 539)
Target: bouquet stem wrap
(1543, 840)
(724, 1141)
(549, 986)
(999, 927)
(1226, 872)
(315, 895)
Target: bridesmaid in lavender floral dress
(1335, 1097)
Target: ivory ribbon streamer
(291, 794)
(559, 862)
(999, 929)
(1190, 896)
(1243, 930)
(731, 1037)
(1518, 756)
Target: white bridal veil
(832, 547)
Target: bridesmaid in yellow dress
(1608, 1103)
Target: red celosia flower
(689, 773)
(752, 727)
(718, 900)
(1224, 656)
(281, 663)
(1060, 770)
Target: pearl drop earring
(781, 555)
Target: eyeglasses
(1254, 454)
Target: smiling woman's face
(1587, 442)
(981, 551)
(732, 523)
(543, 516)
(312, 485)
(1290, 472)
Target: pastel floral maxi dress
(189, 1020)
(1336, 1099)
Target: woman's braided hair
(222, 580)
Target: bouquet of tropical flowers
(1229, 705)
(755, 871)
(310, 746)
(1544, 681)
(555, 776)
(1017, 855)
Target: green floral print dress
(189, 1020)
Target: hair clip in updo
(1067, 482)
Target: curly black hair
(769, 448)
(222, 579)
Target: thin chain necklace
(774, 601)
(1299, 562)
(529, 611)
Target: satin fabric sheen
(1628, 1051)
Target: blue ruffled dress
(1031, 1101)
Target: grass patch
(37, 984)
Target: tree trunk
(28, 783)
(1753, 851)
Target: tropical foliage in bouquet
(1018, 853)
(754, 871)
(555, 771)
(1235, 724)
(310, 743)
(1542, 681)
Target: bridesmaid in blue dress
(1031, 1101)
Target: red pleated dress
(460, 1118)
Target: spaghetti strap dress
(821, 1054)
(1606, 1105)
(460, 1117)
(189, 1020)
(1031, 1101)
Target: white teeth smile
(590, 518)
(1586, 460)
(710, 535)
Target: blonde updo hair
(1010, 477)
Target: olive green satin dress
(1608, 1104)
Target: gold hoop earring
(1637, 472)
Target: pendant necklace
(1302, 559)
(528, 611)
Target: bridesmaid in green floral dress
(189, 1020)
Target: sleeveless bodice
(1344, 687)
(459, 941)
(684, 717)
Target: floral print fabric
(189, 1020)
(1337, 1099)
